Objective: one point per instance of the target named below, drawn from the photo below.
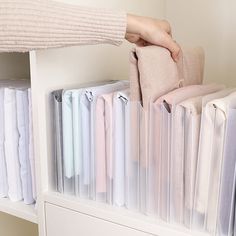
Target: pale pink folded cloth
(153, 72)
(103, 141)
(174, 142)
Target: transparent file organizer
(226, 204)
(137, 163)
(122, 170)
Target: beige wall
(212, 24)
(12, 226)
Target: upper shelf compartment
(14, 66)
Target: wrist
(134, 24)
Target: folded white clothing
(11, 145)
(192, 121)
(22, 106)
(31, 146)
(121, 145)
(175, 146)
(205, 147)
(3, 168)
(219, 118)
(225, 222)
(12, 137)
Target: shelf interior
(19, 209)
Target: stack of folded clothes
(17, 168)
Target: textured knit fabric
(34, 24)
(153, 72)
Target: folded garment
(58, 139)
(80, 189)
(22, 106)
(204, 158)
(218, 115)
(226, 206)
(72, 140)
(133, 160)
(174, 142)
(3, 168)
(67, 133)
(11, 145)
(192, 121)
(121, 145)
(104, 146)
(31, 146)
(153, 72)
(88, 108)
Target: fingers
(171, 45)
(166, 27)
(142, 43)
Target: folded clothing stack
(16, 142)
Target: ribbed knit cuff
(38, 24)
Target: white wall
(211, 24)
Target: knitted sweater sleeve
(38, 24)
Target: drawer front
(64, 222)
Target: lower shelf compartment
(144, 225)
(73, 223)
(19, 209)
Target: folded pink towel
(153, 72)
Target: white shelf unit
(54, 69)
(66, 215)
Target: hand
(145, 31)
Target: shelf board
(119, 216)
(19, 209)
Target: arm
(37, 24)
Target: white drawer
(63, 222)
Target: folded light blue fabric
(22, 106)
